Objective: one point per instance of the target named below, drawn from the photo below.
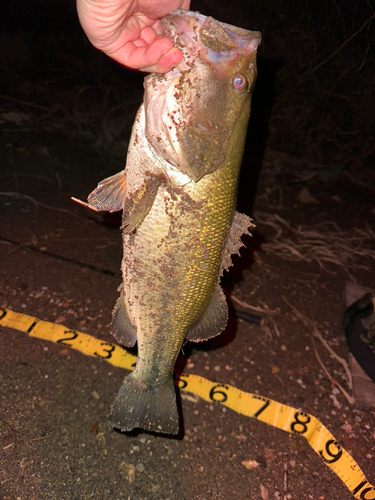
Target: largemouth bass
(178, 197)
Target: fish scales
(190, 284)
(178, 196)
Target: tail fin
(152, 408)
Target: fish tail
(145, 406)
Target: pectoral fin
(109, 196)
(122, 328)
(213, 320)
(139, 204)
(239, 227)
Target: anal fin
(122, 328)
(213, 321)
(239, 227)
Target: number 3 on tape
(266, 410)
(106, 350)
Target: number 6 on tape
(266, 410)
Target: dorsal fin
(239, 227)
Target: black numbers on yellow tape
(107, 350)
(266, 404)
(218, 393)
(299, 425)
(266, 410)
(330, 456)
(68, 335)
(32, 326)
(365, 490)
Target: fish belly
(171, 266)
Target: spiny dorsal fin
(109, 196)
(239, 227)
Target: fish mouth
(215, 42)
(185, 107)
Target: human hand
(126, 30)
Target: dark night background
(314, 98)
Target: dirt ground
(60, 263)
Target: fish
(178, 195)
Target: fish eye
(240, 83)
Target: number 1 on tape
(266, 410)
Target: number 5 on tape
(266, 410)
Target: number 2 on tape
(70, 335)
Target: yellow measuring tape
(266, 410)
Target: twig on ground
(267, 321)
(25, 103)
(40, 438)
(313, 70)
(285, 480)
(349, 398)
(318, 335)
(323, 243)
(39, 204)
(264, 310)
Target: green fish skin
(178, 197)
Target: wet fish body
(178, 197)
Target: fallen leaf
(95, 428)
(14, 117)
(269, 457)
(264, 492)
(250, 464)
(95, 395)
(129, 470)
(306, 197)
(241, 437)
